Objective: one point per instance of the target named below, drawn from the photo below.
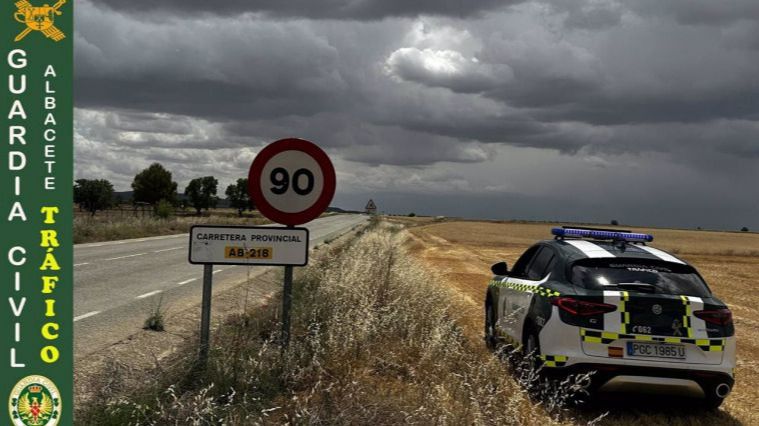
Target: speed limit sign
(291, 181)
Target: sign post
(205, 314)
(241, 245)
(292, 181)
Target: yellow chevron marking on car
(554, 360)
(624, 320)
(526, 288)
(686, 316)
(606, 337)
(509, 340)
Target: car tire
(491, 340)
(531, 349)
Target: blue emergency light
(601, 234)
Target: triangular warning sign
(370, 205)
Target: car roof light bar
(601, 234)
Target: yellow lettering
(48, 284)
(49, 213)
(50, 303)
(49, 238)
(49, 262)
(47, 334)
(49, 354)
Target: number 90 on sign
(291, 181)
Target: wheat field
(462, 253)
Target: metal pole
(287, 299)
(287, 295)
(205, 314)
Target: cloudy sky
(642, 111)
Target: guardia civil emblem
(35, 401)
(39, 18)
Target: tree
(615, 222)
(744, 229)
(202, 192)
(237, 194)
(93, 194)
(153, 185)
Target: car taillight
(581, 307)
(716, 316)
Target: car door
(511, 296)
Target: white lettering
(17, 133)
(17, 58)
(12, 163)
(12, 84)
(17, 309)
(12, 258)
(17, 211)
(17, 109)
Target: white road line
(187, 281)
(124, 257)
(109, 243)
(87, 315)
(217, 271)
(81, 264)
(168, 249)
(142, 296)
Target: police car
(604, 301)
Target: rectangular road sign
(248, 245)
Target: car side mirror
(500, 268)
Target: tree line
(154, 186)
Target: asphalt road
(117, 283)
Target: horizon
(582, 109)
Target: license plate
(656, 350)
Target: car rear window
(621, 274)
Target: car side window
(539, 266)
(520, 268)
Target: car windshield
(638, 275)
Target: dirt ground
(462, 252)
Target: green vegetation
(202, 193)
(155, 319)
(237, 194)
(164, 209)
(93, 194)
(153, 185)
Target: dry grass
(462, 253)
(376, 340)
(89, 229)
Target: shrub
(744, 229)
(164, 209)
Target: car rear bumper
(616, 378)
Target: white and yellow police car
(604, 301)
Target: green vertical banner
(36, 207)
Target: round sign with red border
(291, 181)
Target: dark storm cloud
(578, 83)
(698, 12)
(314, 9)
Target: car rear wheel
(491, 340)
(532, 349)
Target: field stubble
(462, 252)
